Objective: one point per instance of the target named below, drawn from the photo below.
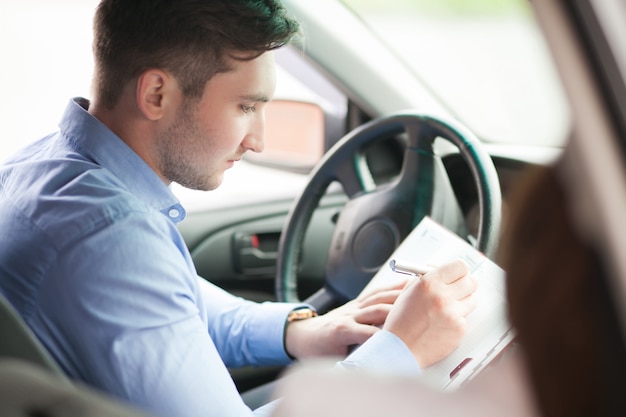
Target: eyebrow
(255, 97)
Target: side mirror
(295, 136)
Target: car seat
(31, 382)
(18, 341)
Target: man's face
(208, 136)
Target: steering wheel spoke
(355, 176)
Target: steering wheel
(375, 220)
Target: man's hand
(353, 323)
(429, 315)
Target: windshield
(485, 59)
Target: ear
(154, 90)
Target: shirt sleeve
(122, 311)
(245, 332)
(384, 353)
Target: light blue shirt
(93, 261)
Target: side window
(46, 60)
(307, 116)
(46, 64)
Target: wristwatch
(301, 313)
(297, 314)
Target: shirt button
(174, 213)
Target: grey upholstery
(32, 384)
(27, 390)
(20, 348)
(18, 341)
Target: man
(96, 265)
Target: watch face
(301, 314)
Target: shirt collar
(95, 141)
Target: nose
(255, 138)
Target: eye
(248, 109)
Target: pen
(409, 269)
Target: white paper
(488, 331)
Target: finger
(467, 305)
(448, 272)
(462, 287)
(385, 297)
(395, 285)
(357, 334)
(374, 315)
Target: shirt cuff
(267, 329)
(384, 352)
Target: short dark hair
(191, 39)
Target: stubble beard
(179, 149)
